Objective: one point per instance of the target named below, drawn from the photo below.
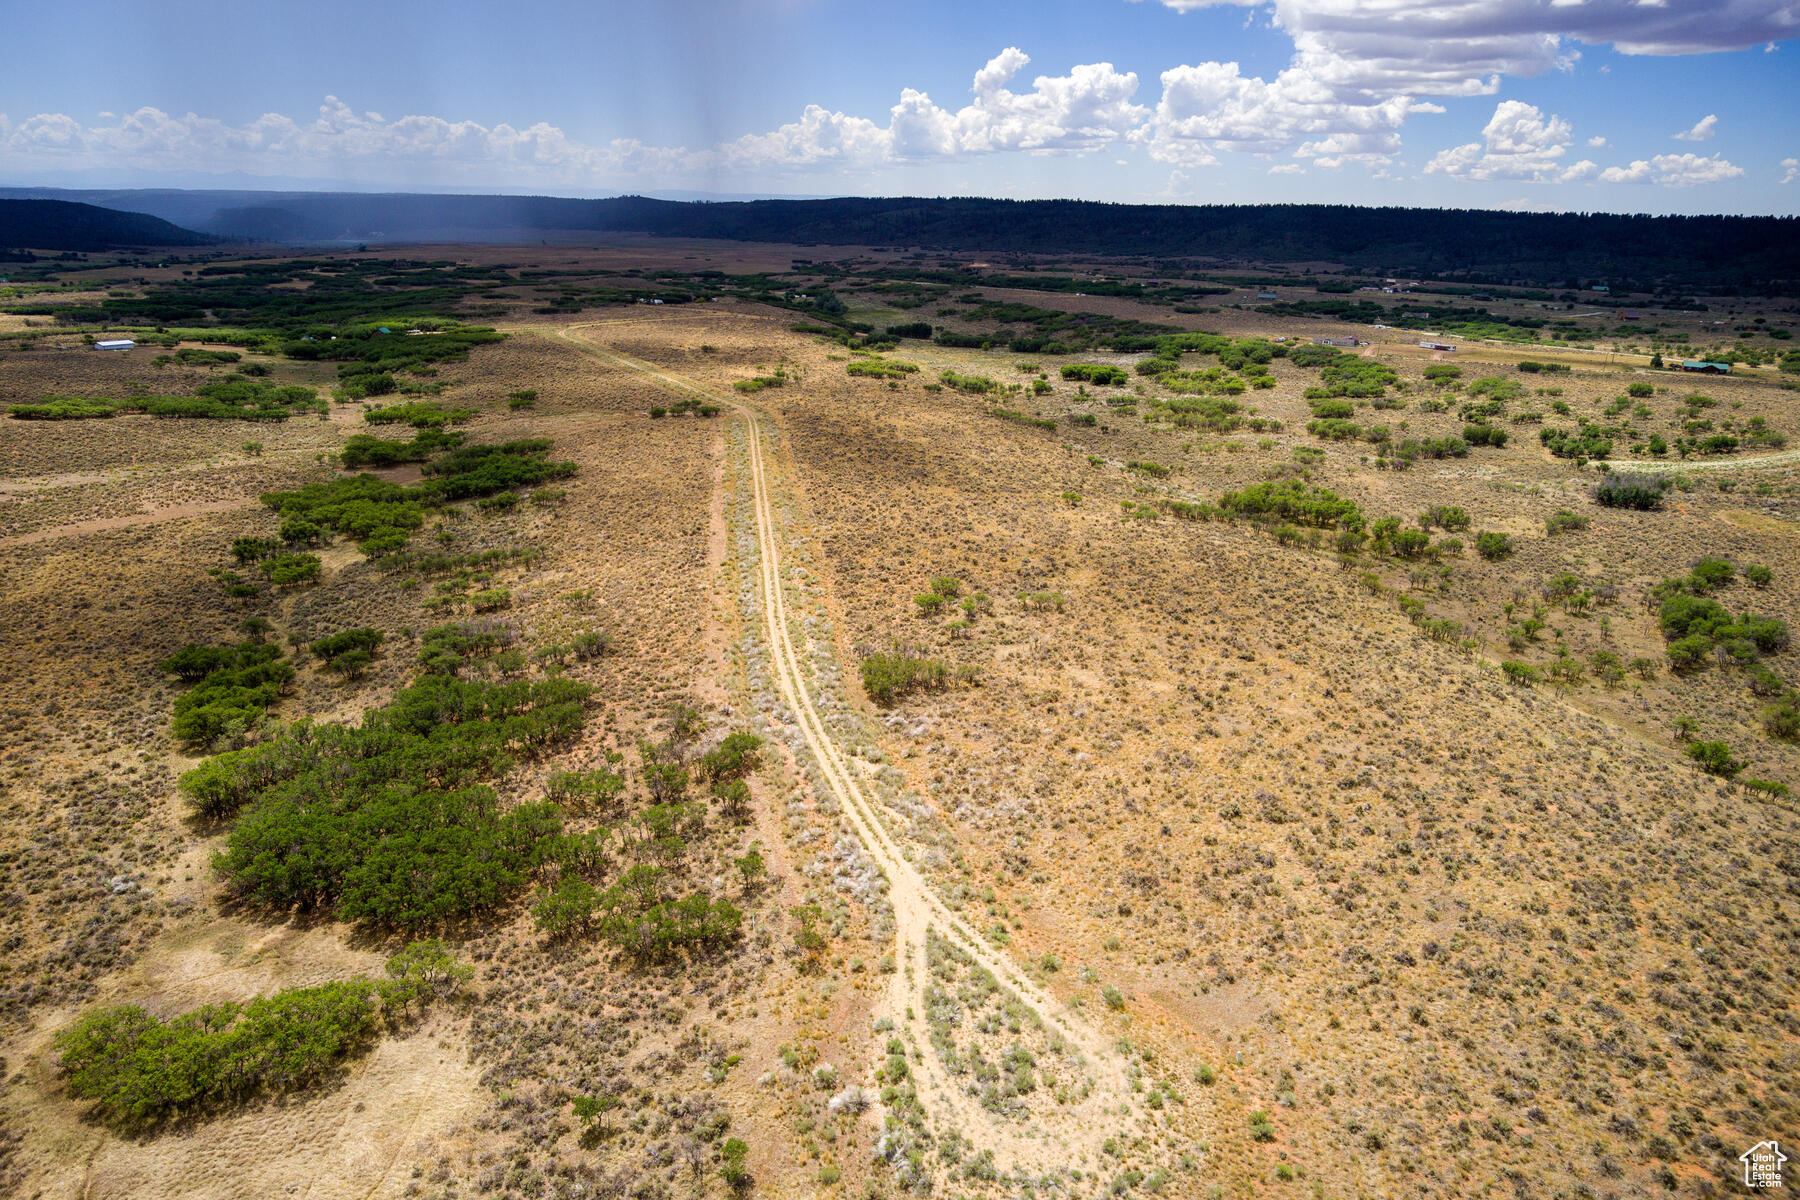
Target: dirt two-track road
(1078, 1128)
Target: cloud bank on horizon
(1360, 71)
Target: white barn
(116, 344)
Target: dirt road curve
(1786, 458)
(917, 907)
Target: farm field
(867, 725)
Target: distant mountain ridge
(67, 225)
(1759, 253)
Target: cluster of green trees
(1452, 319)
(881, 368)
(234, 399)
(1297, 501)
(369, 354)
(1402, 454)
(778, 378)
(382, 515)
(394, 822)
(1297, 511)
(470, 471)
(1493, 545)
(1210, 381)
(1449, 517)
(1049, 331)
(699, 407)
(977, 385)
(888, 676)
(379, 514)
(446, 649)
(391, 822)
(142, 1071)
(1087, 285)
(1334, 429)
(637, 916)
(349, 651)
(1097, 373)
(367, 450)
(637, 912)
(1590, 441)
(338, 317)
(1248, 356)
(1345, 377)
(1387, 535)
(342, 305)
(1696, 626)
(1626, 490)
(852, 335)
(1220, 414)
(65, 408)
(946, 594)
(420, 414)
(234, 687)
(1348, 375)
(192, 356)
(1497, 389)
(586, 792)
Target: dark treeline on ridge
(1741, 253)
(63, 225)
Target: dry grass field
(1226, 861)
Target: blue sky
(1625, 105)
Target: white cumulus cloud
(1087, 109)
(1361, 67)
(1519, 142)
(818, 136)
(1702, 130)
(1213, 105)
(1674, 170)
(1792, 168)
(1380, 48)
(337, 137)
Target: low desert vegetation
(1204, 631)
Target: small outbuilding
(1437, 346)
(1266, 296)
(1346, 340)
(116, 344)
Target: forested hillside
(1759, 255)
(63, 225)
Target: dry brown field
(1329, 907)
